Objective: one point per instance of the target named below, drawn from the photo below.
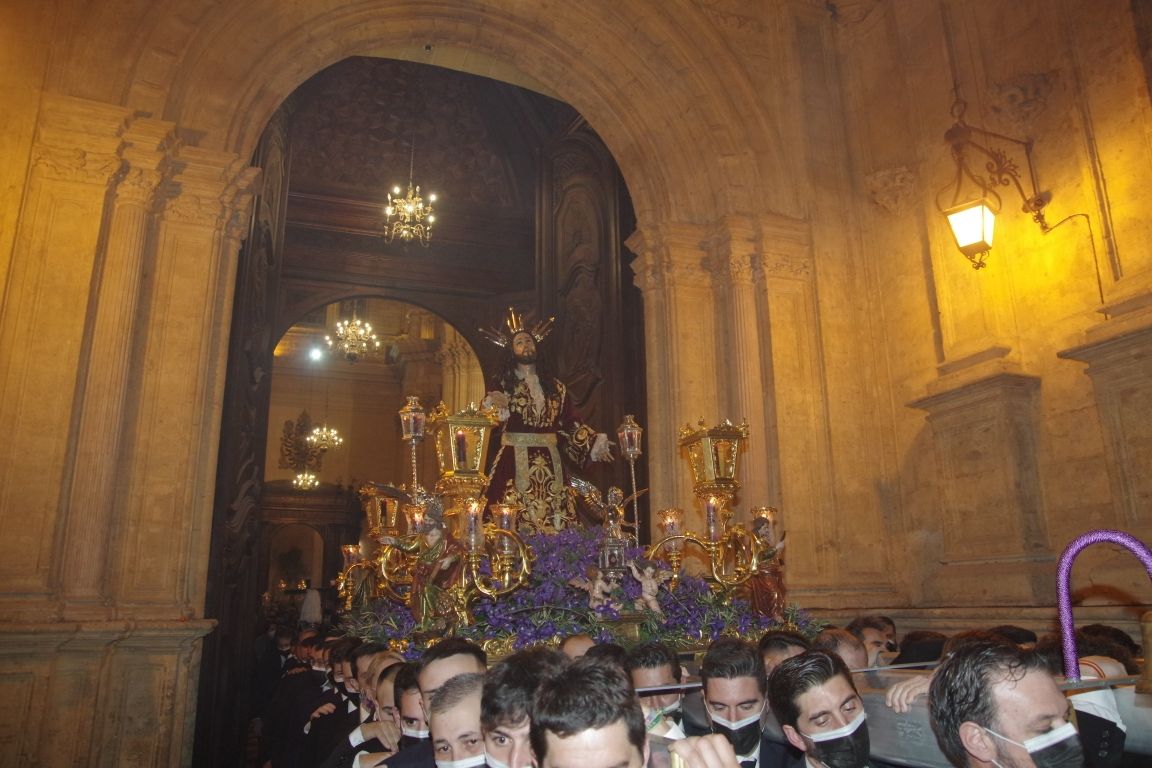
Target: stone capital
(209, 189)
(75, 164)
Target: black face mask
(845, 747)
(408, 741)
(743, 735)
(1059, 748)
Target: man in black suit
(822, 715)
(439, 664)
(506, 704)
(734, 687)
(589, 716)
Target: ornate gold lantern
(381, 509)
(714, 458)
(461, 444)
(732, 552)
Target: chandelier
(325, 438)
(305, 481)
(354, 339)
(413, 217)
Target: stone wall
(928, 430)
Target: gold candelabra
(439, 576)
(734, 553)
(447, 555)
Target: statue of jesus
(540, 429)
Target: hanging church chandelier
(354, 339)
(409, 217)
(305, 481)
(325, 438)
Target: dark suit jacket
(773, 754)
(416, 756)
(288, 712)
(344, 754)
(327, 733)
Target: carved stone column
(985, 438)
(734, 250)
(75, 161)
(109, 345)
(797, 436)
(679, 323)
(169, 467)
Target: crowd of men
(787, 702)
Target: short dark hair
(922, 645)
(1115, 634)
(405, 681)
(453, 646)
(613, 653)
(584, 696)
(860, 623)
(962, 689)
(781, 640)
(1018, 635)
(389, 673)
(795, 676)
(510, 685)
(454, 691)
(832, 640)
(367, 649)
(730, 657)
(342, 649)
(652, 655)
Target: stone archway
(148, 119)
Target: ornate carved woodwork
(232, 597)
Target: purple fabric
(1064, 585)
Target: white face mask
(494, 763)
(839, 733)
(416, 734)
(738, 723)
(468, 762)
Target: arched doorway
(178, 97)
(533, 215)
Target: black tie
(747, 764)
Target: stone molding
(79, 165)
(984, 436)
(891, 188)
(1121, 371)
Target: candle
(461, 450)
(712, 519)
(506, 520)
(473, 535)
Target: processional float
(437, 553)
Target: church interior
(734, 210)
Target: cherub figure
(650, 577)
(599, 586)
